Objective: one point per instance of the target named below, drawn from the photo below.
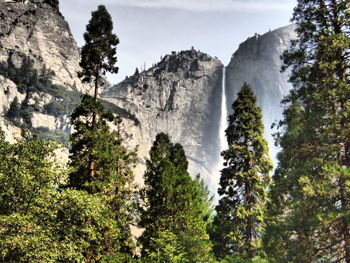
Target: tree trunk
(93, 126)
(249, 229)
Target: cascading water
(222, 127)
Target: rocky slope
(181, 96)
(36, 29)
(35, 37)
(258, 62)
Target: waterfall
(222, 138)
(223, 118)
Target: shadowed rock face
(36, 29)
(181, 96)
(258, 62)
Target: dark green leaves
(176, 208)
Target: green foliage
(239, 220)
(166, 249)
(118, 257)
(26, 172)
(26, 77)
(65, 101)
(85, 227)
(100, 162)
(19, 114)
(174, 203)
(98, 55)
(310, 195)
(113, 177)
(55, 108)
(70, 226)
(38, 223)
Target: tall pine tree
(175, 206)
(310, 198)
(98, 56)
(100, 162)
(239, 219)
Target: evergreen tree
(239, 219)
(98, 56)
(310, 197)
(101, 163)
(113, 176)
(174, 203)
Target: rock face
(258, 62)
(181, 96)
(36, 29)
(8, 92)
(35, 32)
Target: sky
(150, 29)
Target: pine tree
(239, 219)
(113, 176)
(100, 162)
(310, 198)
(98, 56)
(174, 203)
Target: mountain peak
(181, 96)
(185, 63)
(265, 44)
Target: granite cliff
(36, 29)
(35, 39)
(181, 96)
(258, 62)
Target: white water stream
(222, 137)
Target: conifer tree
(239, 219)
(113, 176)
(174, 204)
(310, 197)
(100, 162)
(98, 56)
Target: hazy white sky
(149, 29)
